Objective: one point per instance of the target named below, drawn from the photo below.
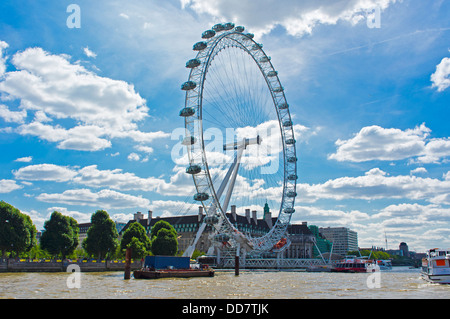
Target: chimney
(255, 217)
(150, 216)
(247, 215)
(138, 216)
(233, 211)
(200, 213)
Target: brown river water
(399, 283)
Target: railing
(57, 265)
(273, 263)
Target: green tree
(60, 236)
(165, 243)
(138, 249)
(102, 236)
(137, 231)
(17, 231)
(159, 225)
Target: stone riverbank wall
(13, 265)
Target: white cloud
(12, 116)
(3, 45)
(104, 199)
(78, 216)
(89, 53)
(26, 159)
(391, 144)
(50, 83)
(419, 170)
(441, 78)
(55, 89)
(297, 17)
(376, 184)
(133, 157)
(45, 172)
(8, 185)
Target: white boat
(384, 264)
(436, 266)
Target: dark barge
(170, 267)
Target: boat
(170, 267)
(172, 273)
(436, 266)
(355, 264)
(384, 264)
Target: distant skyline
(90, 96)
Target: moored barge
(170, 267)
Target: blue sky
(87, 114)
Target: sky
(90, 96)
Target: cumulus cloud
(12, 116)
(441, 78)
(297, 17)
(55, 89)
(45, 172)
(3, 46)
(391, 144)
(377, 184)
(8, 185)
(106, 199)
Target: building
(84, 227)
(402, 250)
(343, 239)
(187, 226)
(322, 245)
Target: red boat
(353, 264)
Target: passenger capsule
(257, 46)
(189, 85)
(291, 194)
(283, 106)
(187, 111)
(193, 63)
(239, 29)
(250, 35)
(201, 197)
(287, 123)
(189, 140)
(289, 210)
(211, 220)
(193, 169)
(278, 89)
(228, 26)
(208, 34)
(291, 159)
(290, 141)
(292, 177)
(272, 74)
(218, 27)
(199, 46)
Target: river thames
(399, 283)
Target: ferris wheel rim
(194, 97)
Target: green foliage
(136, 231)
(159, 225)
(138, 249)
(60, 236)
(17, 231)
(102, 236)
(165, 243)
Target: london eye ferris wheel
(239, 137)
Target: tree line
(60, 237)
